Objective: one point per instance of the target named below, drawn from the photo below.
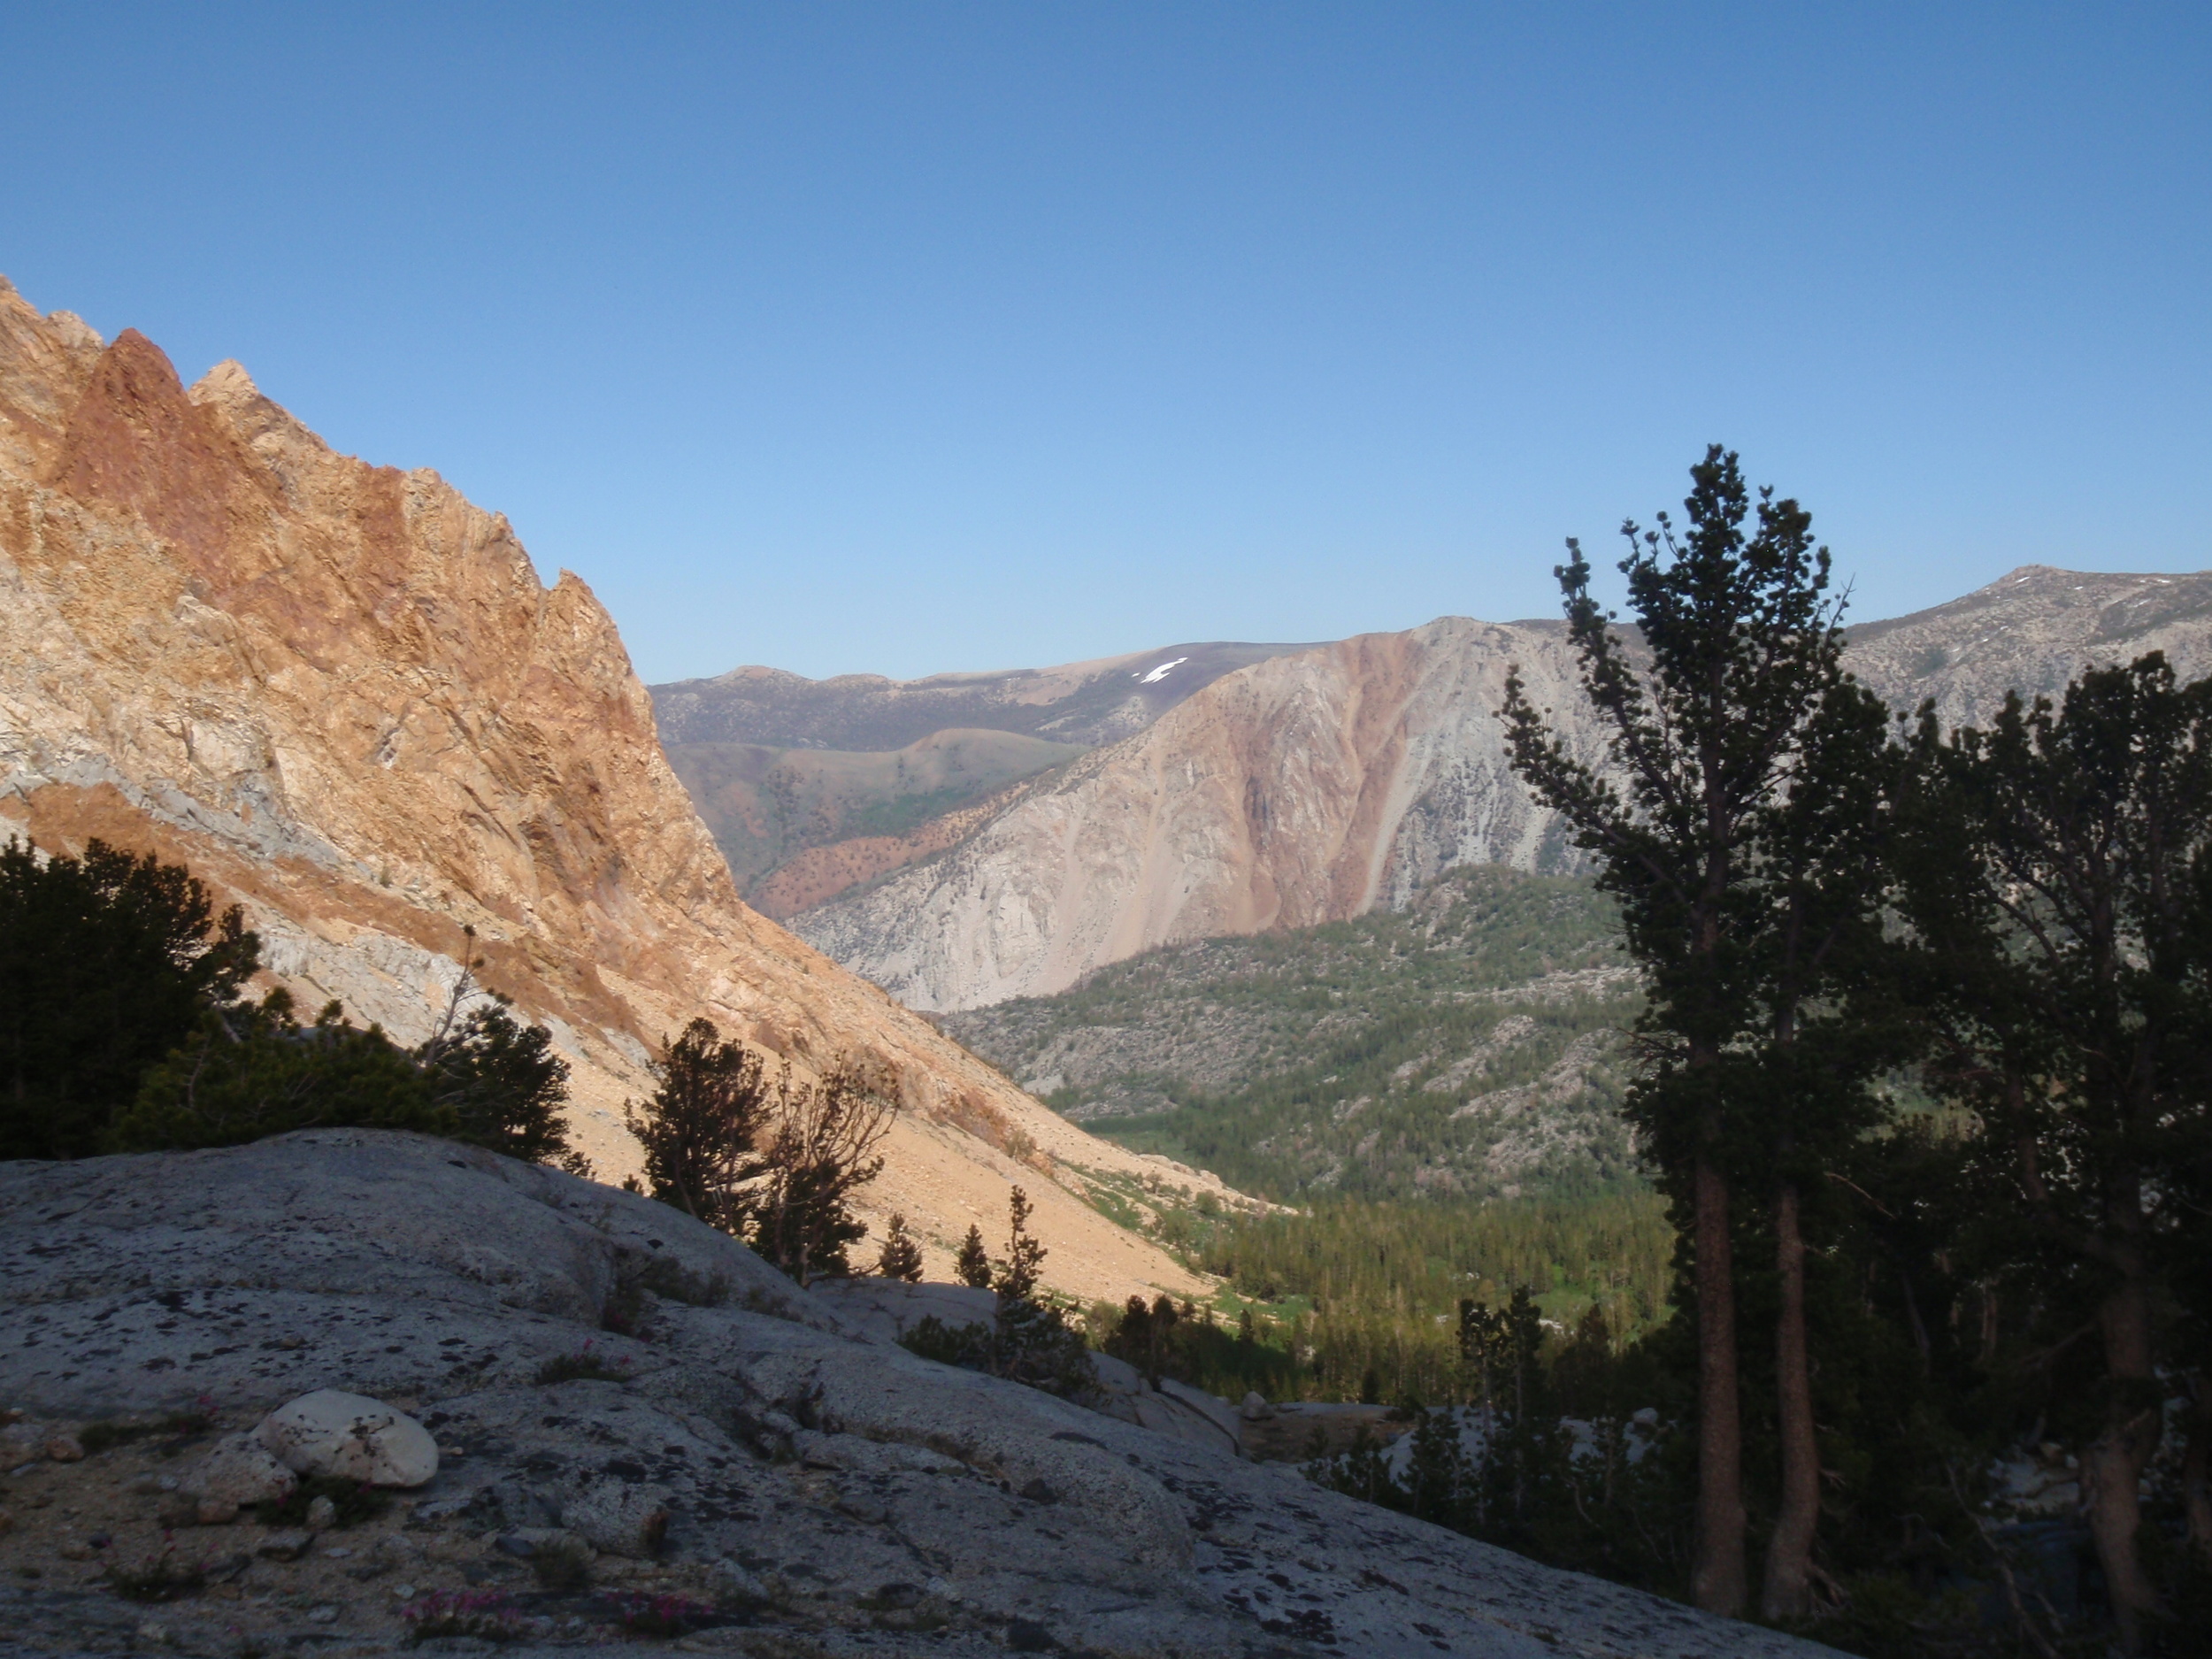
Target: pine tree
(501, 1080)
(901, 1256)
(700, 1127)
(2059, 883)
(822, 1151)
(1731, 868)
(1016, 1276)
(973, 1263)
(1135, 1338)
(108, 962)
(1033, 1341)
(504, 1085)
(1440, 1477)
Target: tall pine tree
(1734, 884)
(2058, 878)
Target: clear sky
(900, 338)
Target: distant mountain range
(1086, 703)
(811, 787)
(1268, 787)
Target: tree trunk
(1717, 1578)
(2112, 1467)
(2196, 1468)
(1787, 1591)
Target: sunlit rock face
(340, 693)
(1316, 785)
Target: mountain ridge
(1312, 786)
(341, 695)
(1089, 702)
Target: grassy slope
(1436, 1090)
(1468, 1047)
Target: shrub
(661, 1615)
(161, 1579)
(249, 1072)
(107, 963)
(98, 1437)
(486, 1615)
(353, 1502)
(562, 1564)
(966, 1346)
(671, 1281)
(626, 1312)
(122, 1030)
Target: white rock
(1255, 1408)
(241, 1470)
(352, 1437)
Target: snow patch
(1159, 673)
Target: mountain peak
(340, 694)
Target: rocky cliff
(340, 694)
(1311, 786)
(814, 786)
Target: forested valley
(1884, 1317)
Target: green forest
(1359, 1300)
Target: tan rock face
(340, 693)
(1300, 790)
(1311, 786)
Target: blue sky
(894, 339)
